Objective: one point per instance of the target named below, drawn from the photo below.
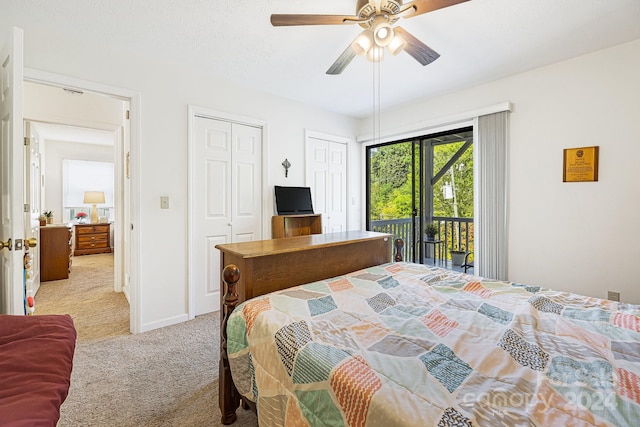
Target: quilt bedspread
(404, 344)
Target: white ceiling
(479, 41)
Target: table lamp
(93, 198)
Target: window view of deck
(419, 182)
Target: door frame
(32, 225)
(133, 210)
(193, 112)
(118, 152)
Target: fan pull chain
(376, 101)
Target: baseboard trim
(164, 322)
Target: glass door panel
(390, 187)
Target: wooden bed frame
(252, 269)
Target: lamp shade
(397, 45)
(382, 31)
(93, 197)
(363, 43)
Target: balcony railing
(455, 233)
(401, 229)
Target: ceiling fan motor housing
(365, 9)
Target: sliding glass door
(426, 180)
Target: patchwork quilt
(405, 344)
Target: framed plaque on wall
(580, 164)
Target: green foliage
(390, 182)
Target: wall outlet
(613, 296)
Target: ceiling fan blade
(289, 20)
(425, 6)
(420, 51)
(342, 61)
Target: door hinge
(127, 115)
(27, 141)
(27, 208)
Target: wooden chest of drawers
(92, 239)
(55, 252)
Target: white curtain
(491, 228)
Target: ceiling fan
(377, 18)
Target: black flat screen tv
(293, 200)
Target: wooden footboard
(256, 268)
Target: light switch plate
(164, 202)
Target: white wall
(577, 237)
(166, 90)
(52, 104)
(54, 153)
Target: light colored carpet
(87, 295)
(165, 377)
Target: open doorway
(81, 139)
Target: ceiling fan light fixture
(397, 45)
(362, 44)
(382, 31)
(375, 54)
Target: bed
(401, 344)
(36, 358)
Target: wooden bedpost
(399, 244)
(228, 396)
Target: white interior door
(226, 200)
(337, 187)
(317, 160)
(12, 230)
(326, 175)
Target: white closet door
(317, 159)
(212, 201)
(226, 182)
(336, 196)
(246, 211)
(326, 175)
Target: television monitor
(293, 200)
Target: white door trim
(193, 112)
(134, 98)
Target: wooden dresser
(55, 252)
(92, 239)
